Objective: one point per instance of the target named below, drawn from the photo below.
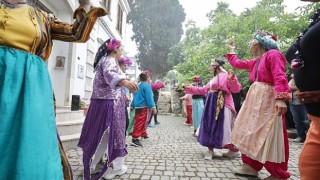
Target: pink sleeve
(234, 85)
(239, 64)
(277, 64)
(157, 86)
(199, 90)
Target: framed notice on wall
(80, 71)
(60, 60)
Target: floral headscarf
(267, 40)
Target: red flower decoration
(274, 37)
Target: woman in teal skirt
(28, 137)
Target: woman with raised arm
(259, 130)
(28, 136)
(217, 118)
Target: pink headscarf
(126, 61)
(147, 72)
(113, 44)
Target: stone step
(64, 108)
(68, 115)
(70, 127)
(70, 141)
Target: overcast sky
(196, 10)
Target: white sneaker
(208, 155)
(231, 154)
(245, 169)
(113, 173)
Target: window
(120, 18)
(107, 4)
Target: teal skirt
(28, 138)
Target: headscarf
(219, 63)
(106, 47)
(126, 61)
(197, 79)
(266, 40)
(147, 72)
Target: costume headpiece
(197, 79)
(113, 44)
(126, 61)
(147, 72)
(266, 40)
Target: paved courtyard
(172, 153)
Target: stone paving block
(148, 172)
(137, 171)
(144, 177)
(201, 174)
(195, 178)
(190, 174)
(168, 173)
(134, 176)
(220, 175)
(161, 168)
(155, 177)
(158, 173)
(179, 173)
(211, 175)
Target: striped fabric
(258, 130)
(51, 28)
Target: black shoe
(136, 143)
(146, 137)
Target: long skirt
(28, 136)
(103, 131)
(258, 130)
(197, 110)
(215, 132)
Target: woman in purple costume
(218, 114)
(104, 127)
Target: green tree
(200, 46)
(157, 26)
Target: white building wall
(69, 81)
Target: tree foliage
(200, 46)
(157, 26)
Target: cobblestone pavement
(172, 153)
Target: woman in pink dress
(259, 129)
(217, 118)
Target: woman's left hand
(231, 74)
(281, 107)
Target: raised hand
(231, 46)
(187, 86)
(231, 74)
